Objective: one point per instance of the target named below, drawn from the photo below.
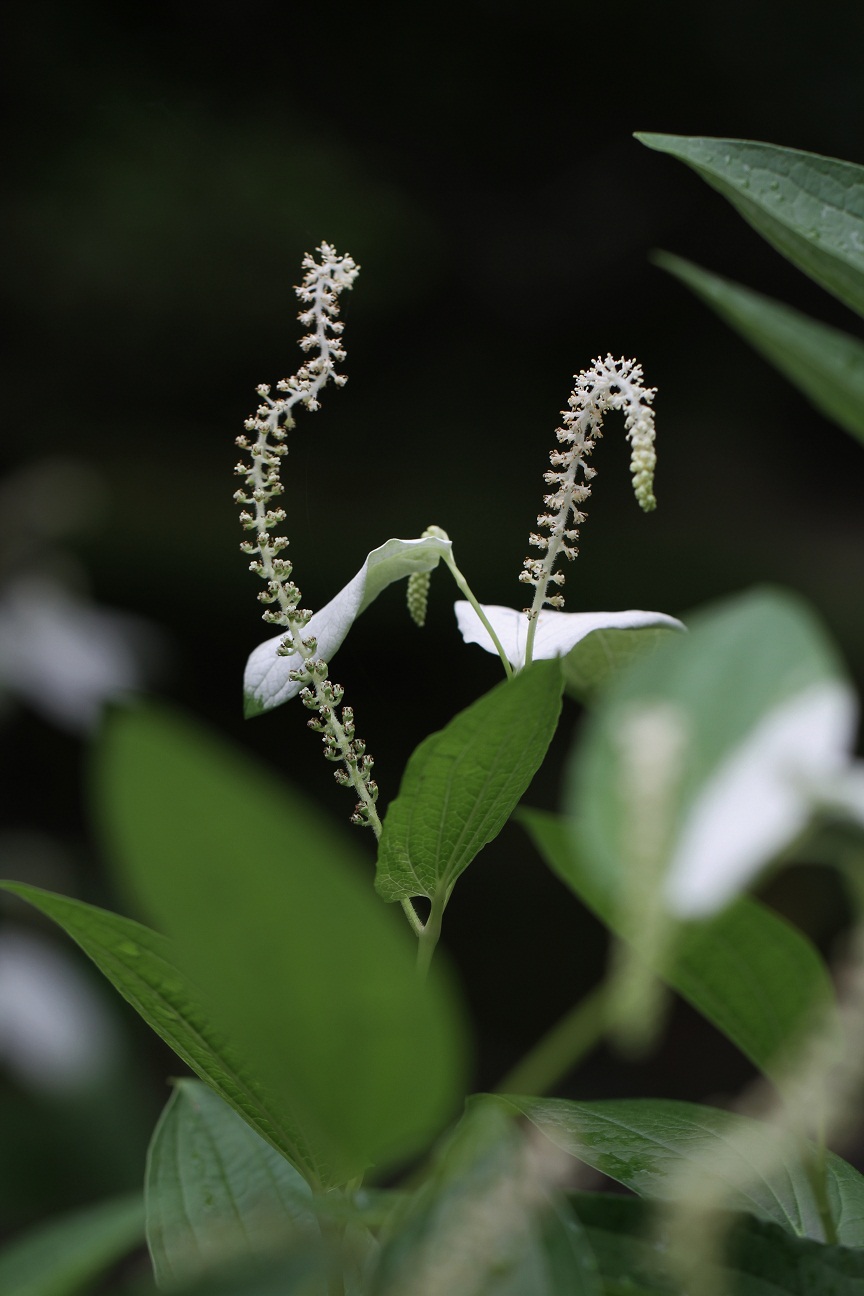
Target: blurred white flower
(64, 656)
(55, 1034)
(761, 797)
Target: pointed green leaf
(753, 976)
(462, 784)
(267, 681)
(66, 1256)
(142, 965)
(810, 208)
(310, 977)
(215, 1192)
(826, 364)
(644, 1143)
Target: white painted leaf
(761, 797)
(557, 633)
(267, 682)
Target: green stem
(431, 934)
(413, 918)
(558, 1051)
(816, 1167)
(467, 591)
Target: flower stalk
(263, 443)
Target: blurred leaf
(310, 977)
(826, 364)
(215, 1192)
(462, 784)
(66, 1256)
(644, 1143)
(756, 978)
(142, 965)
(762, 712)
(604, 653)
(810, 208)
(484, 1223)
(267, 681)
(760, 1258)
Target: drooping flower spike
(608, 385)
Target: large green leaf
(753, 708)
(485, 1222)
(759, 1258)
(810, 208)
(312, 979)
(66, 1256)
(216, 1193)
(462, 784)
(142, 965)
(756, 978)
(644, 1143)
(826, 364)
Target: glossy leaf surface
(216, 1193)
(824, 363)
(644, 1143)
(142, 965)
(810, 208)
(462, 784)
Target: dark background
(165, 169)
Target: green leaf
(462, 784)
(826, 364)
(759, 709)
(760, 1258)
(142, 965)
(215, 1192)
(604, 653)
(309, 976)
(66, 1256)
(753, 976)
(644, 1143)
(810, 208)
(484, 1222)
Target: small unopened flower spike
(418, 596)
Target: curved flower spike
(557, 633)
(267, 682)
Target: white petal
(266, 682)
(557, 632)
(760, 798)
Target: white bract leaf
(267, 682)
(761, 797)
(557, 633)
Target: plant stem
(558, 1051)
(431, 934)
(413, 918)
(816, 1167)
(467, 591)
